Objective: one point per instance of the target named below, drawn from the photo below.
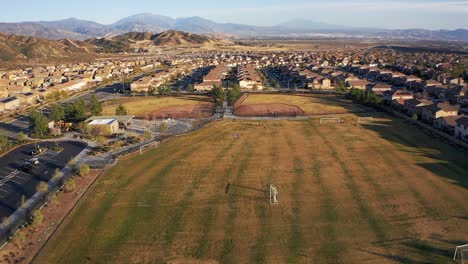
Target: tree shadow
(449, 162)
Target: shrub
(19, 238)
(69, 185)
(83, 170)
(164, 127)
(42, 187)
(37, 219)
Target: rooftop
(102, 121)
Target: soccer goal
(148, 147)
(273, 195)
(365, 119)
(461, 254)
(330, 120)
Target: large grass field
(157, 106)
(311, 105)
(384, 192)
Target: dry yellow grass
(144, 105)
(378, 193)
(311, 105)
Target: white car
(34, 161)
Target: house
(319, 82)
(28, 98)
(207, 85)
(401, 95)
(357, 84)
(461, 130)
(103, 127)
(447, 124)
(9, 104)
(414, 106)
(432, 112)
(378, 87)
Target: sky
(399, 14)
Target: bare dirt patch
(269, 110)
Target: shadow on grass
(449, 162)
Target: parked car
(36, 151)
(27, 166)
(34, 161)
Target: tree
(22, 200)
(37, 219)
(95, 106)
(76, 110)
(218, 95)
(53, 199)
(121, 110)
(164, 127)
(57, 113)
(83, 128)
(457, 70)
(19, 238)
(21, 137)
(191, 88)
(164, 89)
(3, 142)
(42, 187)
(340, 86)
(147, 135)
(83, 170)
(39, 123)
(233, 94)
(69, 185)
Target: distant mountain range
(81, 29)
(20, 49)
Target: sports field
(382, 192)
(287, 105)
(162, 107)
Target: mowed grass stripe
(229, 245)
(264, 222)
(179, 210)
(331, 249)
(88, 209)
(78, 251)
(209, 215)
(210, 212)
(378, 225)
(429, 208)
(139, 217)
(296, 239)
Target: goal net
(334, 120)
(364, 119)
(461, 254)
(273, 195)
(148, 146)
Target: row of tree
(77, 110)
(362, 96)
(220, 96)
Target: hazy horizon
(429, 14)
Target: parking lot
(16, 182)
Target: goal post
(148, 146)
(330, 119)
(461, 254)
(273, 195)
(365, 119)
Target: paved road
(15, 183)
